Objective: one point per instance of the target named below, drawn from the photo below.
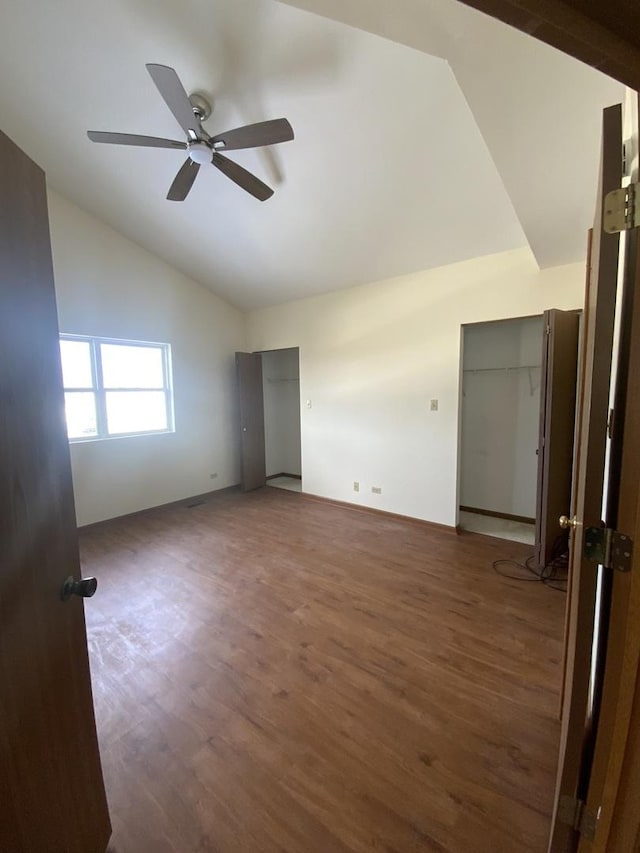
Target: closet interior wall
(281, 390)
(500, 416)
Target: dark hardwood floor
(277, 674)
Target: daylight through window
(115, 388)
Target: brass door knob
(565, 522)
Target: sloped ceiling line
(538, 110)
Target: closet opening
(501, 376)
(517, 423)
(281, 394)
(269, 409)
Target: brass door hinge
(573, 812)
(609, 548)
(621, 210)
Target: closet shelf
(501, 369)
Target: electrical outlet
(434, 406)
(214, 475)
(377, 490)
(356, 486)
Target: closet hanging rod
(501, 369)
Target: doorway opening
(500, 412)
(269, 409)
(517, 426)
(281, 395)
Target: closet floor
(502, 528)
(292, 484)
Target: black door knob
(85, 587)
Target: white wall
(500, 415)
(281, 391)
(109, 286)
(372, 357)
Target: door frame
(464, 326)
(262, 352)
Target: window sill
(94, 439)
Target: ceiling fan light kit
(199, 152)
(201, 148)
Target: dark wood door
(578, 705)
(51, 789)
(557, 427)
(614, 785)
(251, 401)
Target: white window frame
(100, 392)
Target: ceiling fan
(201, 148)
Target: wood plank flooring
(276, 674)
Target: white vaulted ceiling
(539, 111)
(425, 134)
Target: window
(115, 388)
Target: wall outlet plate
(377, 490)
(356, 486)
(433, 406)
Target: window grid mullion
(167, 392)
(101, 399)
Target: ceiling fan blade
(134, 139)
(255, 135)
(241, 177)
(175, 97)
(183, 181)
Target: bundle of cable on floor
(553, 575)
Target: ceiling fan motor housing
(200, 106)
